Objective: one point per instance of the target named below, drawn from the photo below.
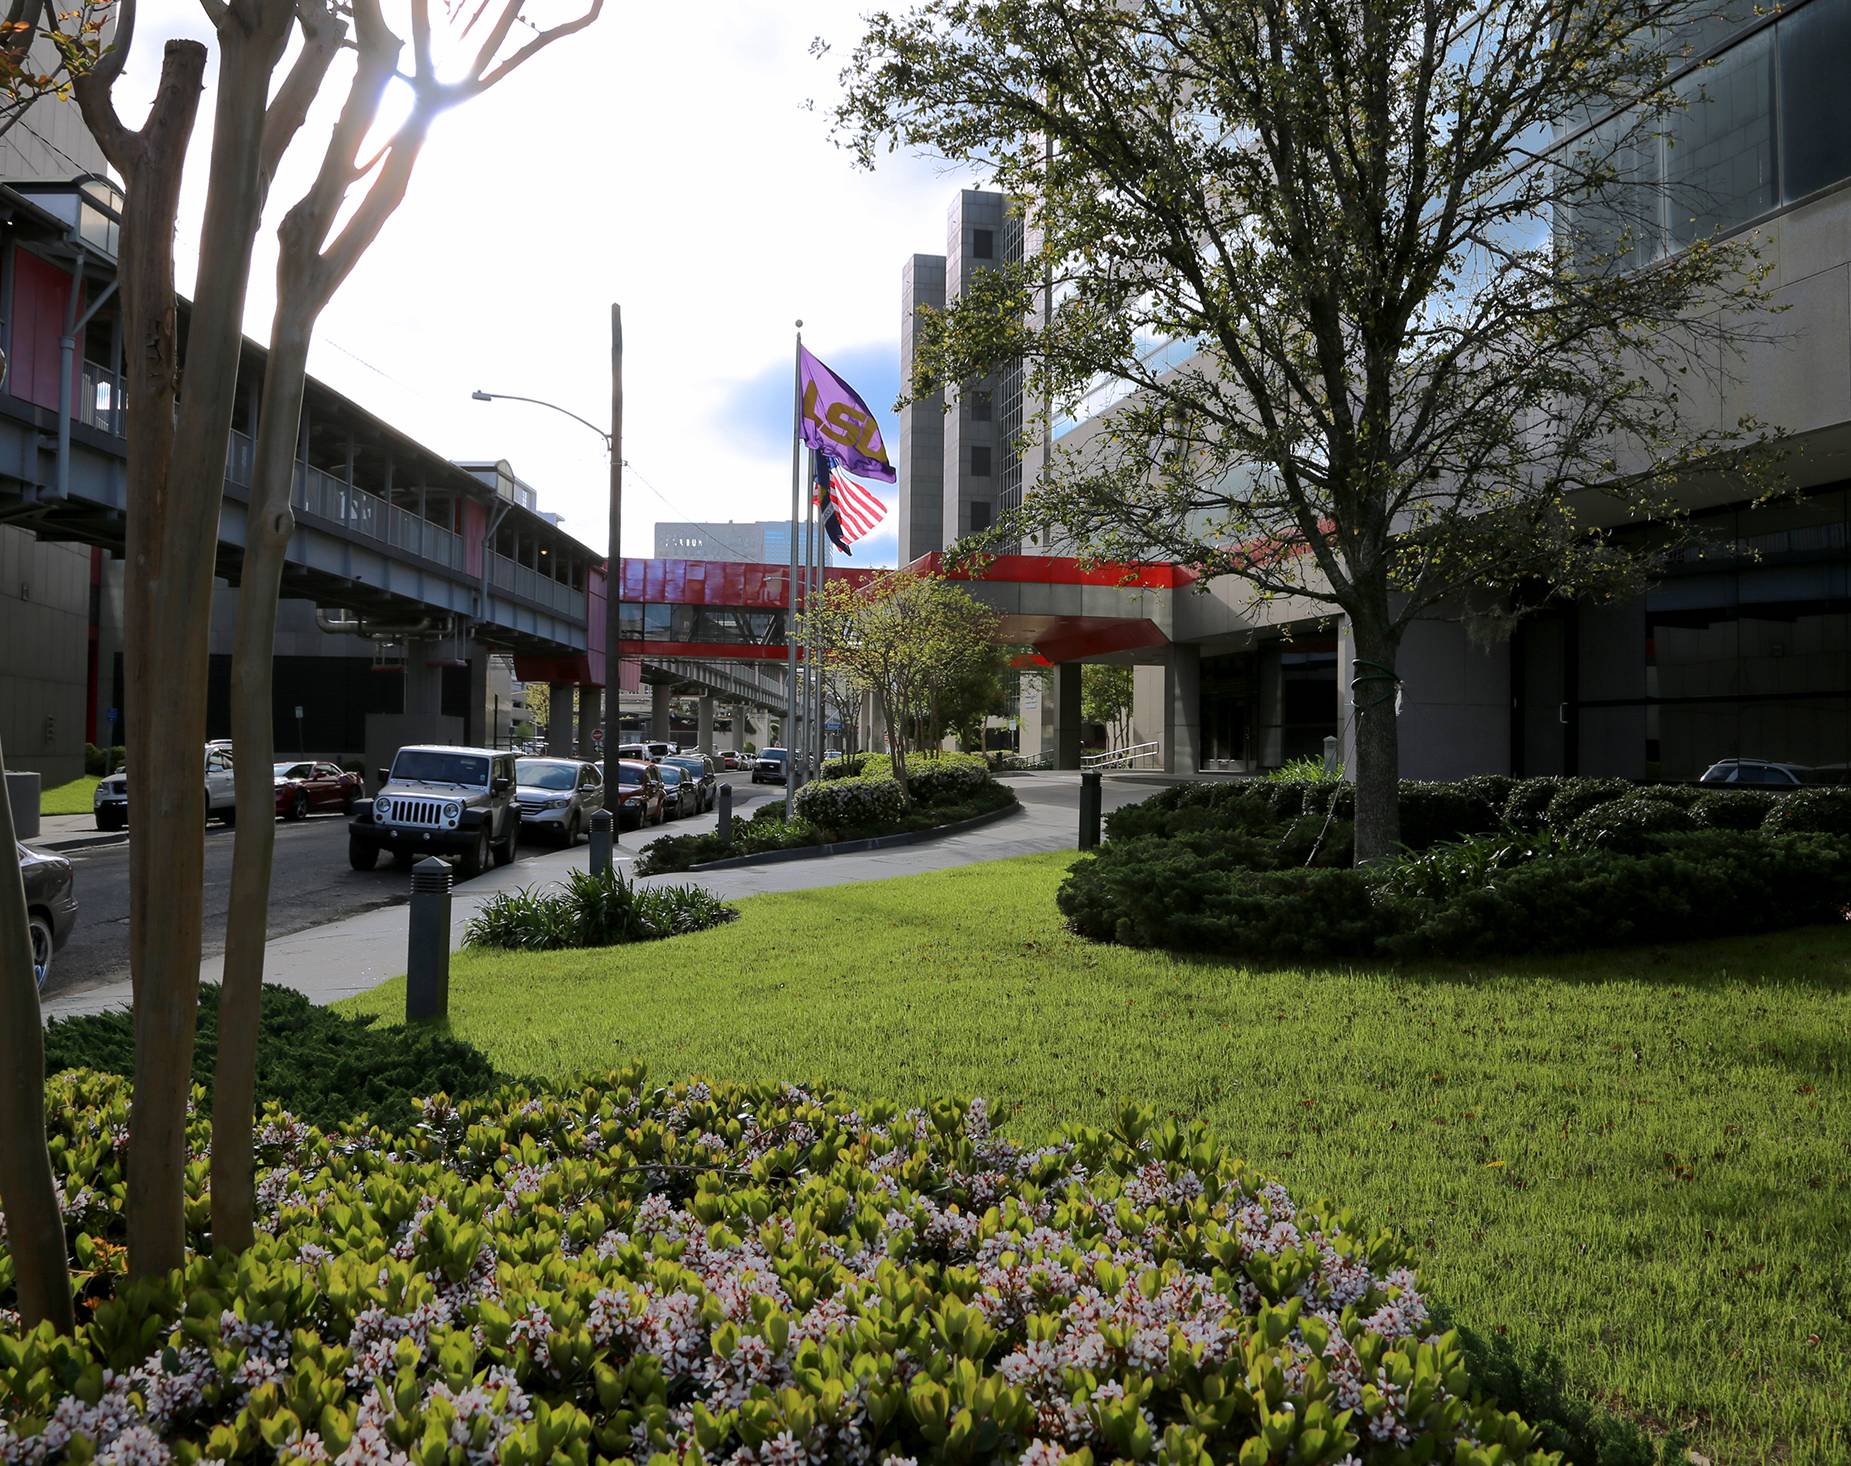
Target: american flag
(847, 509)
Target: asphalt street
(312, 884)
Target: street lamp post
(613, 576)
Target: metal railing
(1022, 762)
(1121, 758)
(523, 581)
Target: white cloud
(665, 162)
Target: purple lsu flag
(836, 421)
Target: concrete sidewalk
(72, 832)
(332, 962)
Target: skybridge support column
(590, 719)
(559, 719)
(661, 695)
(421, 717)
(703, 739)
(1064, 693)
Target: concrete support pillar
(559, 719)
(590, 720)
(423, 682)
(1064, 693)
(661, 694)
(476, 712)
(1182, 709)
(703, 739)
(742, 728)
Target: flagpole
(790, 629)
(812, 745)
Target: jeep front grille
(416, 811)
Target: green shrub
(1216, 893)
(1315, 839)
(1632, 824)
(1577, 796)
(1528, 801)
(1435, 812)
(592, 911)
(325, 1067)
(617, 1270)
(1305, 770)
(842, 804)
(1810, 811)
(1451, 866)
(1731, 809)
(1182, 808)
(1710, 884)
(937, 781)
(93, 761)
(850, 767)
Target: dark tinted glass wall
(1815, 97)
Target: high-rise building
(959, 468)
(748, 542)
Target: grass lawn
(76, 797)
(1638, 1160)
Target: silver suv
(557, 796)
(440, 800)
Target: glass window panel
(1815, 101)
(1616, 226)
(655, 623)
(1719, 151)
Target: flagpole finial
(800, 325)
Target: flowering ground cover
(761, 1276)
(1636, 1160)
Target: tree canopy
(1361, 280)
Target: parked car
(682, 793)
(700, 769)
(440, 800)
(642, 799)
(557, 796)
(729, 759)
(302, 787)
(51, 905)
(771, 766)
(1758, 771)
(110, 803)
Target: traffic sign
(298, 712)
(597, 737)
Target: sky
(674, 159)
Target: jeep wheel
(361, 855)
(509, 850)
(478, 856)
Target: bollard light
(726, 814)
(427, 959)
(601, 842)
(1091, 798)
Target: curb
(78, 842)
(854, 847)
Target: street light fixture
(613, 575)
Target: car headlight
(452, 810)
(382, 808)
(557, 803)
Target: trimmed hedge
(327, 1067)
(622, 1271)
(851, 803)
(1646, 883)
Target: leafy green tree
(1372, 301)
(909, 639)
(1105, 697)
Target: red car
(641, 798)
(305, 786)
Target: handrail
(1118, 757)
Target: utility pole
(613, 580)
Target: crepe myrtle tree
(907, 638)
(360, 183)
(1389, 324)
(44, 49)
(1105, 698)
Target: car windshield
(429, 767)
(294, 771)
(670, 774)
(628, 774)
(692, 765)
(776, 755)
(537, 774)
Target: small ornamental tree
(908, 639)
(1375, 300)
(1105, 697)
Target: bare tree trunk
(28, 1190)
(1378, 747)
(268, 525)
(172, 538)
